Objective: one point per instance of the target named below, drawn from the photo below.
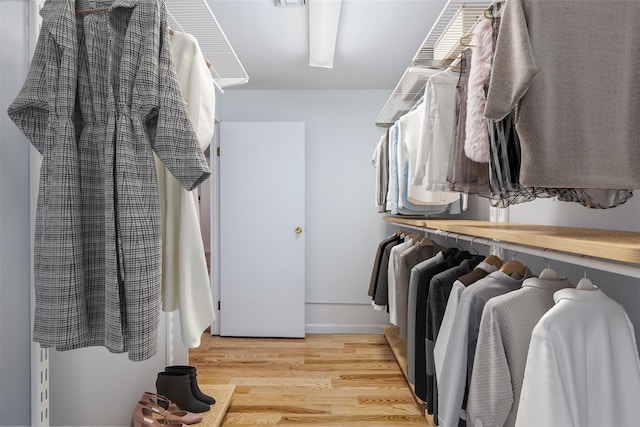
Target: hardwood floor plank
(344, 380)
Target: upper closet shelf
(619, 246)
(441, 46)
(195, 17)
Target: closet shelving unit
(196, 18)
(607, 250)
(438, 50)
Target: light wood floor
(321, 380)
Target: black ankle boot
(191, 371)
(177, 387)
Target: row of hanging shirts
(491, 344)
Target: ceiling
(377, 39)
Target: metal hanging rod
(630, 270)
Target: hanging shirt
(501, 354)
(409, 259)
(380, 161)
(432, 159)
(582, 366)
(439, 290)
(381, 294)
(394, 260)
(481, 271)
(100, 98)
(415, 199)
(185, 275)
(393, 192)
(421, 274)
(577, 125)
(464, 174)
(376, 262)
(458, 360)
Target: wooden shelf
(623, 246)
(399, 348)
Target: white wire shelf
(196, 18)
(441, 46)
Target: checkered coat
(100, 97)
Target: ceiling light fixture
(324, 16)
(284, 3)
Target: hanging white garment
(185, 277)
(380, 163)
(432, 159)
(582, 368)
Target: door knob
(298, 230)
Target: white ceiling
(377, 40)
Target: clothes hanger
(548, 273)
(585, 284)
(513, 266)
(425, 241)
(463, 40)
(493, 260)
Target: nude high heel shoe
(145, 417)
(172, 417)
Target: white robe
(582, 368)
(185, 277)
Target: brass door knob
(298, 230)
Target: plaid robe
(100, 97)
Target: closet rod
(584, 261)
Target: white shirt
(432, 161)
(582, 368)
(185, 276)
(449, 314)
(394, 258)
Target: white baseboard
(342, 329)
(333, 318)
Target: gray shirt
(577, 125)
(409, 259)
(501, 353)
(461, 346)
(417, 274)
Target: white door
(262, 230)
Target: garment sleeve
(452, 384)
(445, 328)
(196, 84)
(168, 125)
(543, 386)
(426, 139)
(30, 109)
(514, 65)
(490, 393)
